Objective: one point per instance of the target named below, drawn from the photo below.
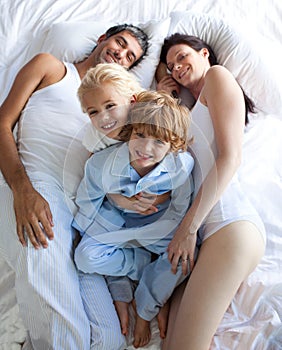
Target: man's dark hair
(136, 32)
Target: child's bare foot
(142, 332)
(162, 318)
(122, 311)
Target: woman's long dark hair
(197, 44)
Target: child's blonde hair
(124, 82)
(161, 116)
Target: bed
(246, 36)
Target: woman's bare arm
(224, 98)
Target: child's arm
(143, 203)
(167, 223)
(89, 197)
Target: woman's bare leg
(225, 260)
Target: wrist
(193, 229)
(21, 184)
(190, 228)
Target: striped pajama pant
(52, 297)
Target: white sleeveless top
(234, 204)
(50, 133)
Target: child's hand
(145, 203)
(141, 203)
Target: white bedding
(253, 320)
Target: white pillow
(237, 54)
(73, 41)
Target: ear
(101, 38)
(133, 99)
(205, 52)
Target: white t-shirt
(95, 141)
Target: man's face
(121, 48)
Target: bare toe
(142, 332)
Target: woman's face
(107, 109)
(187, 65)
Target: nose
(147, 145)
(104, 115)
(120, 53)
(176, 67)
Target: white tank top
(204, 147)
(233, 204)
(50, 133)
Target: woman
(232, 234)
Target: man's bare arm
(33, 214)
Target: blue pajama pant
(156, 281)
(52, 297)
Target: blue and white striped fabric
(47, 284)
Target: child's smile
(146, 151)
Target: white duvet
(253, 320)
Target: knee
(83, 258)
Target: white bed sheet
(253, 320)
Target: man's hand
(34, 218)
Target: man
(42, 172)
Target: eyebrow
(110, 100)
(176, 54)
(126, 44)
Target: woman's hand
(182, 249)
(34, 218)
(168, 84)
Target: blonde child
(105, 94)
(119, 242)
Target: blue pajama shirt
(118, 242)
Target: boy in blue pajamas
(120, 242)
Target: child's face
(107, 109)
(146, 151)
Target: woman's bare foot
(162, 318)
(142, 332)
(122, 311)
